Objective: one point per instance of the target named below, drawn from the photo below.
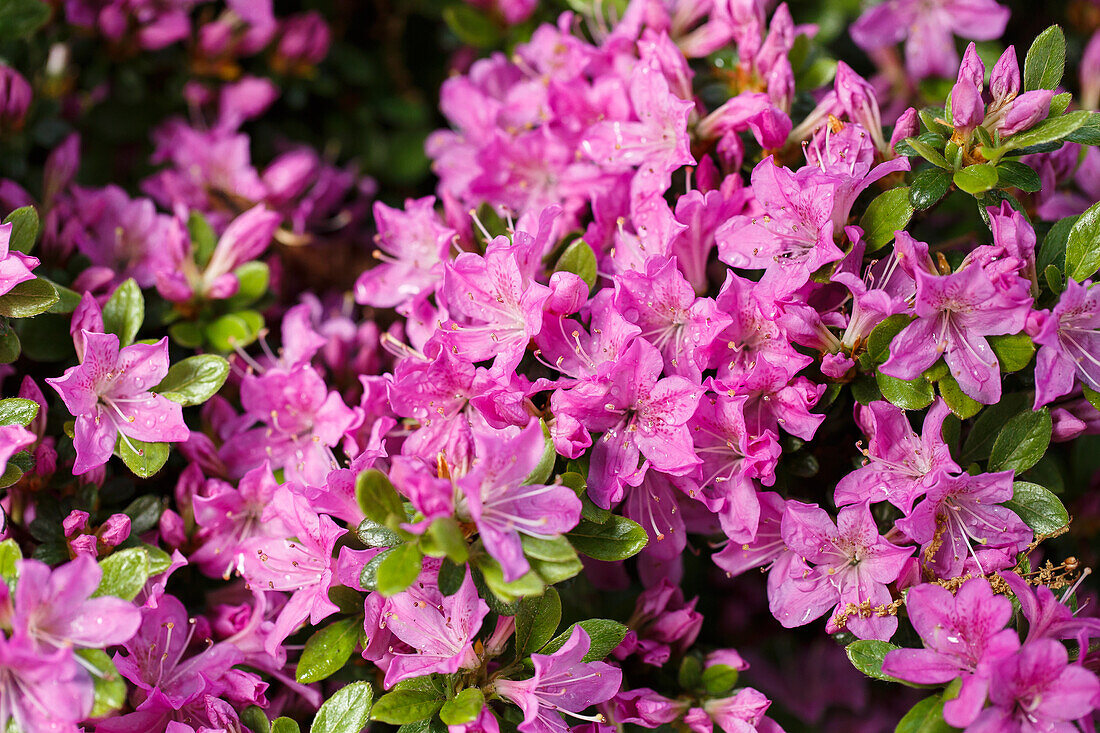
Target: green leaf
(399, 569)
(536, 621)
(408, 705)
(931, 117)
(444, 538)
(10, 554)
(989, 423)
(1050, 130)
(603, 634)
(928, 186)
(719, 679)
(124, 573)
(925, 717)
(1083, 245)
(28, 299)
(975, 179)
(368, 576)
(545, 467)
(961, 404)
(927, 152)
(373, 534)
(530, 584)
(144, 459)
(579, 259)
(194, 380)
(253, 279)
(9, 343)
(254, 718)
(1013, 352)
(1039, 508)
(17, 411)
(878, 343)
(1014, 174)
(1046, 60)
(109, 687)
(24, 229)
(690, 675)
(463, 707)
(913, 394)
(887, 213)
(618, 539)
(1022, 441)
(451, 577)
(377, 497)
(1088, 133)
(203, 238)
(19, 19)
(67, 300)
(285, 725)
(1053, 249)
(234, 329)
(472, 27)
(866, 655)
(328, 649)
(347, 711)
(124, 312)
(1092, 396)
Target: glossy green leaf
(617, 539)
(1039, 508)
(28, 299)
(399, 569)
(928, 186)
(1046, 60)
(1013, 352)
(24, 229)
(328, 649)
(1022, 441)
(975, 179)
(124, 312)
(579, 259)
(463, 707)
(144, 459)
(17, 411)
(377, 498)
(925, 717)
(1083, 245)
(536, 621)
(603, 634)
(887, 213)
(866, 655)
(347, 711)
(194, 380)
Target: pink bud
(75, 522)
(115, 530)
(1025, 110)
(305, 40)
(972, 69)
(906, 126)
(1004, 80)
(15, 97)
(85, 544)
(967, 108)
(172, 529)
(568, 293)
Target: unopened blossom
(662, 624)
(109, 393)
(562, 685)
(962, 515)
(441, 629)
(15, 98)
(504, 506)
(964, 637)
(930, 27)
(1069, 343)
(900, 466)
(644, 707)
(852, 565)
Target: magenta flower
(300, 564)
(852, 564)
(412, 245)
(900, 466)
(639, 416)
(503, 507)
(15, 267)
(960, 512)
(1069, 343)
(13, 438)
(55, 611)
(930, 26)
(562, 685)
(742, 712)
(42, 691)
(1037, 689)
(955, 313)
(964, 636)
(440, 628)
(1047, 616)
(109, 395)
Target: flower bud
(305, 41)
(75, 522)
(906, 126)
(115, 530)
(15, 98)
(1004, 80)
(1025, 111)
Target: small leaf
(463, 707)
(472, 26)
(579, 259)
(373, 534)
(9, 343)
(1049, 131)
(719, 679)
(618, 539)
(10, 554)
(927, 152)
(928, 186)
(347, 711)
(536, 621)
(1053, 249)
(377, 497)
(603, 634)
(108, 685)
(144, 459)
(234, 330)
(19, 19)
(124, 312)
(975, 179)
(407, 705)
(254, 718)
(492, 575)
(285, 725)
(913, 394)
(124, 573)
(1022, 441)
(194, 380)
(878, 343)
(17, 411)
(1014, 174)
(1083, 245)
(327, 650)
(866, 655)
(925, 717)
(24, 229)
(961, 404)
(986, 428)
(28, 299)
(399, 569)
(887, 213)
(451, 577)
(1013, 352)
(1046, 60)
(444, 538)
(203, 238)
(690, 675)
(1039, 508)
(1088, 133)
(545, 466)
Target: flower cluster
(687, 297)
